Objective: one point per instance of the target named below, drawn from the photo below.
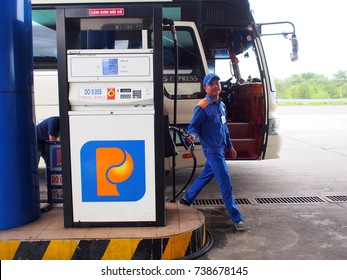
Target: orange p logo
(113, 166)
(113, 170)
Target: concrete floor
(312, 164)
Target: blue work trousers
(216, 166)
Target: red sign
(56, 179)
(106, 12)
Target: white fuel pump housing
(102, 79)
(111, 124)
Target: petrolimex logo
(111, 93)
(113, 171)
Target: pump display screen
(109, 66)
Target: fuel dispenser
(112, 135)
(111, 112)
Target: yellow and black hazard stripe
(167, 248)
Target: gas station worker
(48, 129)
(209, 124)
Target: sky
(321, 31)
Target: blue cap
(208, 78)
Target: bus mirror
(295, 47)
(294, 54)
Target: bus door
(233, 56)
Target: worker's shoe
(240, 226)
(184, 202)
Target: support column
(19, 183)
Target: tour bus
(213, 36)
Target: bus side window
(44, 39)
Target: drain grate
(264, 200)
(218, 201)
(285, 200)
(209, 202)
(272, 200)
(242, 201)
(337, 198)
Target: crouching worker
(48, 129)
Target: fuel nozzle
(171, 23)
(183, 135)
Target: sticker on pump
(111, 93)
(95, 94)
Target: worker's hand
(190, 138)
(230, 153)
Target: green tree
(341, 79)
(304, 90)
(312, 86)
(341, 76)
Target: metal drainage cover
(218, 201)
(285, 200)
(272, 200)
(209, 202)
(337, 198)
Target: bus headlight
(274, 126)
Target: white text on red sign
(107, 12)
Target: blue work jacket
(209, 124)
